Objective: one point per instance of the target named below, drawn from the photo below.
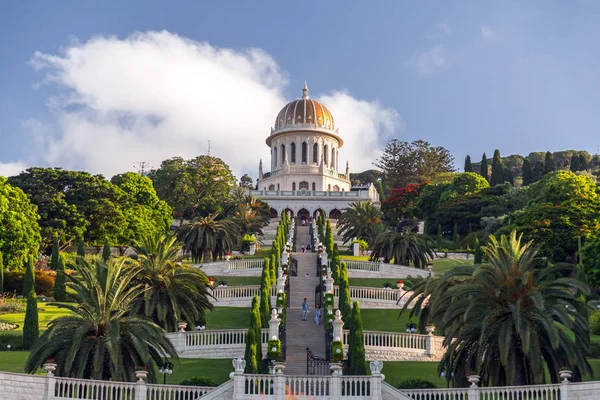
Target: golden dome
(304, 113)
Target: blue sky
(470, 76)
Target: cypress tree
(483, 168)
(31, 329)
(497, 169)
(335, 263)
(439, 237)
(468, 165)
(81, 247)
(538, 170)
(527, 174)
(1, 275)
(265, 297)
(574, 167)
(253, 355)
(456, 237)
(344, 297)
(54, 258)
(550, 165)
(508, 176)
(29, 278)
(106, 251)
(330, 240)
(356, 345)
(478, 253)
(470, 231)
(60, 284)
(583, 164)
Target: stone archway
(274, 213)
(319, 210)
(303, 215)
(292, 214)
(335, 213)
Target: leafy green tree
(344, 297)
(29, 278)
(404, 248)
(253, 355)
(439, 237)
(246, 182)
(478, 259)
(20, 232)
(456, 236)
(358, 221)
(172, 292)
(102, 339)
(527, 173)
(538, 170)
(206, 236)
(483, 168)
(549, 164)
(574, 165)
(583, 164)
(194, 188)
(590, 259)
(31, 329)
(81, 247)
(54, 257)
(514, 320)
(356, 346)
(468, 165)
(106, 251)
(497, 169)
(508, 176)
(60, 283)
(1, 274)
(403, 162)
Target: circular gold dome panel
(303, 112)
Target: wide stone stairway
(302, 334)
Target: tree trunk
(207, 254)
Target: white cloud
(444, 27)
(487, 33)
(429, 62)
(156, 95)
(11, 168)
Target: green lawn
(373, 282)
(238, 280)
(228, 318)
(354, 258)
(442, 265)
(398, 371)
(384, 320)
(46, 313)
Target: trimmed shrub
(60, 283)
(14, 339)
(44, 282)
(337, 351)
(274, 349)
(54, 258)
(253, 355)
(81, 247)
(1, 274)
(356, 348)
(12, 306)
(199, 381)
(594, 321)
(416, 383)
(31, 329)
(106, 251)
(29, 278)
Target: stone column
(473, 391)
(239, 391)
(429, 340)
(280, 281)
(274, 325)
(376, 379)
(329, 284)
(140, 389)
(338, 326)
(50, 387)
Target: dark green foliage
(265, 297)
(344, 296)
(416, 383)
(356, 347)
(54, 258)
(253, 355)
(439, 237)
(468, 165)
(31, 329)
(590, 259)
(456, 237)
(81, 247)
(335, 263)
(574, 165)
(508, 176)
(527, 173)
(583, 164)
(199, 381)
(538, 170)
(549, 164)
(29, 278)
(497, 169)
(594, 321)
(483, 168)
(106, 251)
(60, 288)
(1, 274)
(404, 248)
(478, 253)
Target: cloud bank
(156, 95)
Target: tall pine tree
(456, 237)
(583, 164)
(497, 169)
(439, 237)
(54, 258)
(549, 163)
(356, 347)
(478, 253)
(106, 251)
(60, 284)
(574, 167)
(31, 329)
(29, 278)
(265, 297)
(468, 165)
(508, 176)
(527, 173)
(344, 297)
(253, 355)
(483, 168)
(538, 170)
(81, 247)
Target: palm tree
(172, 292)
(509, 320)
(102, 339)
(359, 220)
(208, 235)
(404, 248)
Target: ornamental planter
(50, 367)
(141, 375)
(336, 368)
(279, 367)
(565, 375)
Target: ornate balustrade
(71, 388)
(371, 269)
(164, 392)
(249, 263)
(218, 343)
(534, 392)
(363, 265)
(395, 346)
(239, 292)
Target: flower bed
(6, 326)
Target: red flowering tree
(401, 201)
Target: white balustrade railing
(384, 269)
(71, 388)
(437, 394)
(371, 293)
(393, 340)
(217, 337)
(363, 265)
(357, 387)
(238, 292)
(172, 392)
(309, 386)
(249, 263)
(257, 385)
(537, 392)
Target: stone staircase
(303, 334)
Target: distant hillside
(515, 161)
(365, 177)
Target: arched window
(332, 157)
(271, 187)
(329, 187)
(293, 185)
(303, 185)
(275, 156)
(293, 156)
(336, 188)
(325, 155)
(304, 152)
(316, 153)
(282, 154)
(314, 186)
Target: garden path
(303, 334)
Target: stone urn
(279, 367)
(473, 380)
(227, 257)
(141, 375)
(50, 367)
(429, 329)
(336, 368)
(182, 326)
(565, 375)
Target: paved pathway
(303, 334)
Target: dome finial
(305, 91)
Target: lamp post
(167, 369)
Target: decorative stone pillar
(274, 325)
(429, 340)
(284, 258)
(565, 384)
(239, 392)
(329, 284)
(473, 391)
(280, 281)
(338, 325)
(355, 249)
(376, 379)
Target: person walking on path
(318, 315)
(304, 309)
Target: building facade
(305, 149)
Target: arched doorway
(319, 211)
(335, 213)
(274, 213)
(303, 217)
(288, 210)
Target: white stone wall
(22, 387)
